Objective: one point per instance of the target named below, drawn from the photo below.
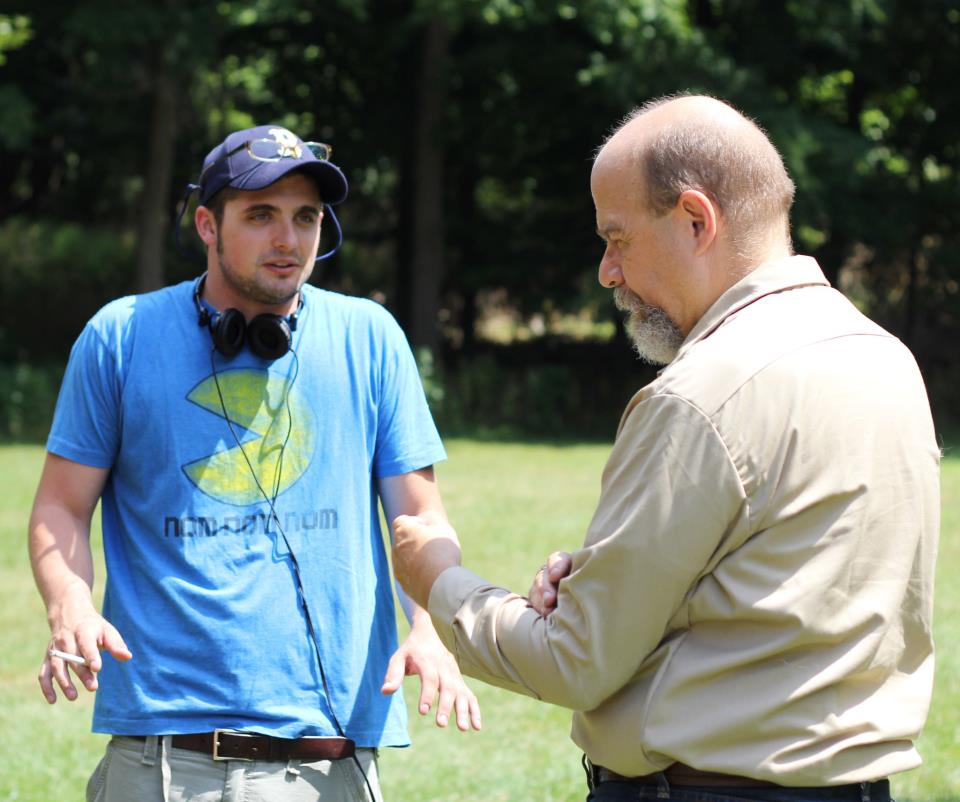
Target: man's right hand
(78, 629)
(546, 584)
(62, 563)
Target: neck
(736, 265)
(221, 295)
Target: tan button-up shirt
(754, 594)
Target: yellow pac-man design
(276, 432)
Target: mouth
(282, 266)
(627, 301)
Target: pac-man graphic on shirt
(274, 426)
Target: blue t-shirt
(199, 582)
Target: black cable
(293, 556)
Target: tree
(467, 132)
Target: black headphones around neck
(268, 336)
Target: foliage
(14, 32)
(53, 277)
(16, 111)
(858, 95)
(545, 388)
(28, 394)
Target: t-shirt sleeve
(86, 421)
(407, 438)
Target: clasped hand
(546, 583)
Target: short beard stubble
(249, 287)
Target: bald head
(698, 142)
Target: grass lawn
(513, 503)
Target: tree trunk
(428, 224)
(154, 214)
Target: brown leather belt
(681, 774)
(232, 745)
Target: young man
(750, 614)
(239, 429)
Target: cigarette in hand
(70, 658)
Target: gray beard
(656, 338)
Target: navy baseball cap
(256, 157)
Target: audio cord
(271, 502)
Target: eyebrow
(606, 231)
(269, 207)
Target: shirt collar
(771, 277)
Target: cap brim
(330, 180)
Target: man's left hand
(423, 653)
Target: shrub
(28, 395)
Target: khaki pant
(151, 771)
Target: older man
(750, 614)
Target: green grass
(512, 503)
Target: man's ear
(700, 215)
(206, 225)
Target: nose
(284, 235)
(609, 274)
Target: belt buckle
(216, 745)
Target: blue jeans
(613, 791)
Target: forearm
(415, 614)
(408, 605)
(62, 564)
(422, 653)
(613, 609)
(59, 536)
(496, 635)
(413, 494)
(61, 559)
(499, 639)
(661, 520)
(430, 508)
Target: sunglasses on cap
(270, 150)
